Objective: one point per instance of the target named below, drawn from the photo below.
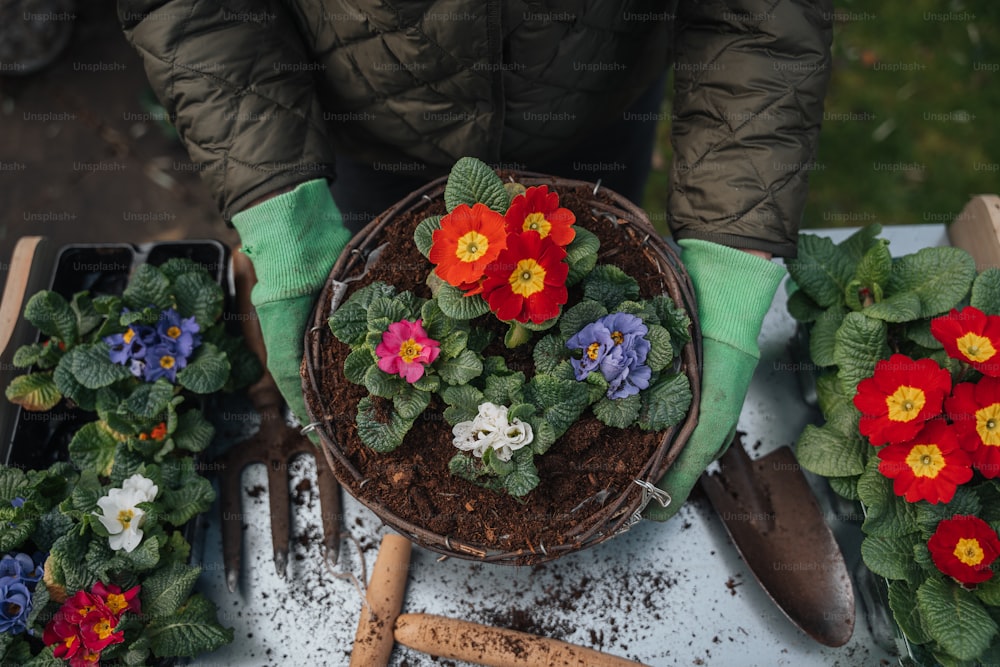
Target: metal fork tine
(232, 522)
(277, 489)
(329, 502)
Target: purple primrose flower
(155, 352)
(615, 345)
(180, 331)
(15, 605)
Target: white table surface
(666, 594)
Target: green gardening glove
(293, 240)
(734, 291)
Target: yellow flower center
(905, 404)
(68, 642)
(410, 350)
(925, 461)
(125, 518)
(128, 335)
(166, 361)
(92, 657)
(527, 278)
(174, 332)
(537, 222)
(116, 602)
(471, 246)
(618, 337)
(85, 609)
(969, 552)
(103, 628)
(975, 347)
(988, 424)
(592, 350)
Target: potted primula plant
(907, 352)
(96, 554)
(504, 259)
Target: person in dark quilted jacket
(276, 101)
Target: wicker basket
(619, 512)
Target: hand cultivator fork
(274, 445)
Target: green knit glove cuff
(293, 240)
(734, 291)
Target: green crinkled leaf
(858, 243)
(126, 464)
(183, 503)
(673, 319)
(92, 367)
(988, 591)
(147, 287)
(576, 318)
(46, 658)
(845, 487)
(888, 514)
(71, 570)
(822, 270)
(609, 285)
(832, 451)
(455, 304)
(410, 402)
(940, 278)
(454, 344)
(206, 370)
(192, 630)
(149, 399)
(193, 433)
(165, 590)
(144, 557)
(618, 413)
(901, 307)
(461, 369)
(665, 403)
(245, 366)
(36, 391)
(198, 296)
(581, 254)
(26, 355)
(382, 436)
(890, 557)
(471, 180)
(349, 323)
(661, 352)
(503, 389)
(822, 336)
(380, 383)
(903, 602)
(955, 619)
(802, 308)
(548, 352)
(875, 265)
(175, 267)
(986, 291)
(93, 448)
(560, 401)
(70, 387)
(965, 502)
(423, 235)
(860, 343)
(524, 477)
(463, 403)
(52, 315)
(920, 333)
(385, 311)
(357, 365)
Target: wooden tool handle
(17, 280)
(264, 393)
(495, 647)
(373, 640)
(977, 231)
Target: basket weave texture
(618, 512)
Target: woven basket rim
(621, 511)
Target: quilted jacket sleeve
(238, 84)
(750, 77)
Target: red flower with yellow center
(528, 280)
(930, 467)
(538, 210)
(970, 336)
(901, 395)
(468, 240)
(974, 409)
(963, 547)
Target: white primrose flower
(120, 516)
(491, 429)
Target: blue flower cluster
(155, 352)
(19, 573)
(615, 345)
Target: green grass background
(940, 120)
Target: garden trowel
(776, 524)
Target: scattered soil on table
(582, 475)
